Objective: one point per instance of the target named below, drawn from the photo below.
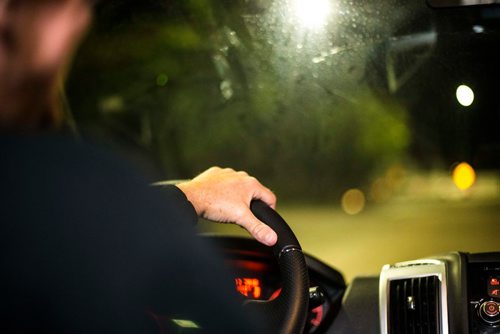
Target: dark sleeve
(88, 246)
(185, 207)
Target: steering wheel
(286, 314)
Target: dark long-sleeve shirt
(88, 246)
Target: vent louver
(414, 306)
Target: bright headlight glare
(311, 13)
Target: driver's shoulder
(58, 175)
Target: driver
(86, 244)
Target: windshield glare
(374, 123)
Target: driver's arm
(224, 195)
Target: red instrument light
(249, 287)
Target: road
(402, 229)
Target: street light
(311, 14)
(465, 95)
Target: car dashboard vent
(414, 305)
(413, 298)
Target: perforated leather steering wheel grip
(287, 314)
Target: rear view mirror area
(460, 3)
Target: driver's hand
(224, 195)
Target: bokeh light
(385, 186)
(381, 190)
(465, 95)
(162, 79)
(463, 176)
(353, 201)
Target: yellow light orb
(463, 176)
(353, 201)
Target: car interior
(375, 123)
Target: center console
(484, 293)
(451, 293)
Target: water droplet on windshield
(317, 60)
(226, 89)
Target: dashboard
(256, 276)
(448, 293)
(451, 293)
(484, 293)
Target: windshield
(374, 122)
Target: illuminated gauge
(249, 287)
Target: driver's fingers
(260, 231)
(265, 195)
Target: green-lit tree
(201, 82)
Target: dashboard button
(489, 311)
(494, 287)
